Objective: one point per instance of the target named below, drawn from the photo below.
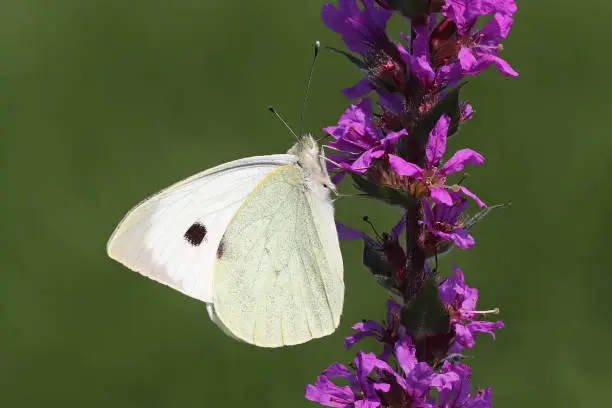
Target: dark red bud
(444, 42)
(436, 346)
(395, 254)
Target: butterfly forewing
(173, 236)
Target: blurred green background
(105, 102)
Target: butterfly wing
(173, 236)
(278, 279)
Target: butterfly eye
(325, 185)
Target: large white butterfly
(254, 238)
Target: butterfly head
(312, 161)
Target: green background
(105, 102)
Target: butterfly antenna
(279, 117)
(367, 220)
(325, 136)
(307, 92)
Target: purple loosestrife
(357, 140)
(432, 178)
(460, 300)
(395, 150)
(444, 224)
(364, 32)
(362, 391)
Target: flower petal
(467, 60)
(462, 238)
(329, 394)
(440, 195)
(460, 159)
(485, 327)
(429, 215)
(472, 196)
(350, 341)
(333, 18)
(496, 28)
(337, 370)
(367, 404)
(436, 144)
(399, 227)
(405, 352)
(418, 380)
(364, 86)
(337, 178)
(485, 60)
(393, 102)
(419, 65)
(347, 233)
(404, 168)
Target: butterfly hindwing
(278, 279)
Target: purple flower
(416, 378)
(444, 224)
(460, 300)
(459, 395)
(387, 333)
(418, 61)
(462, 49)
(466, 111)
(362, 391)
(465, 12)
(479, 48)
(433, 176)
(357, 140)
(363, 31)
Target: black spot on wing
(220, 249)
(195, 234)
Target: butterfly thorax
(312, 162)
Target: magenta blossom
(362, 391)
(357, 140)
(444, 224)
(417, 378)
(419, 59)
(465, 12)
(433, 176)
(460, 300)
(387, 333)
(460, 394)
(363, 31)
(477, 49)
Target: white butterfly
(254, 238)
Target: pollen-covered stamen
(463, 178)
(443, 227)
(386, 68)
(483, 312)
(433, 178)
(478, 44)
(391, 69)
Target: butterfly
(255, 239)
